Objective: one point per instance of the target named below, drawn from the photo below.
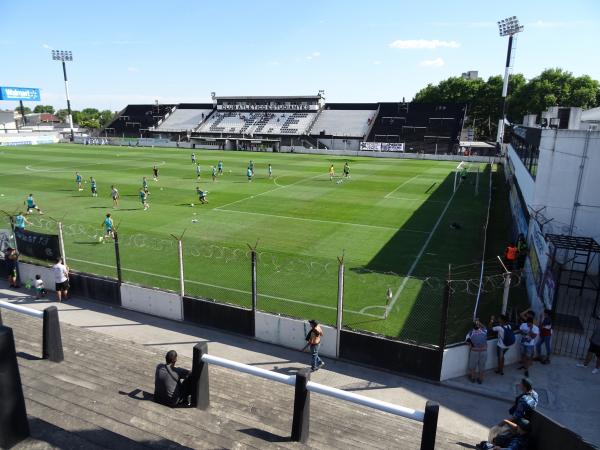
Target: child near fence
(40, 289)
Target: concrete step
(97, 395)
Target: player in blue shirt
(78, 181)
(108, 228)
(93, 187)
(21, 221)
(30, 203)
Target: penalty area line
(418, 257)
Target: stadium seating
(250, 123)
(135, 118)
(334, 122)
(184, 119)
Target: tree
(105, 117)
(44, 109)
(484, 98)
(62, 114)
(89, 123)
(26, 109)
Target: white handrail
(380, 405)
(21, 309)
(409, 413)
(245, 368)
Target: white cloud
(563, 24)
(475, 24)
(273, 63)
(46, 46)
(377, 62)
(437, 62)
(423, 43)
(132, 69)
(313, 55)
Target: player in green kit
(197, 171)
(249, 173)
(145, 186)
(144, 199)
(78, 181)
(108, 228)
(220, 167)
(251, 167)
(93, 187)
(214, 173)
(270, 170)
(30, 203)
(346, 170)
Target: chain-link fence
(419, 309)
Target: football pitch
(391, 221)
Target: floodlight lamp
(509, 26)
(62, 55)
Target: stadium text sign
(19, 93)
(382, 146)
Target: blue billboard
(19, 93)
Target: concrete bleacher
(184, 119)
(258, 122)
(343, 122)
(100, 397)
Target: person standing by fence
(61, 278)
(313, 341)
(477, 339)
(594, 349)
(545, 337)
(506, 338)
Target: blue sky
(133, 51)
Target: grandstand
(285, 123)
(185, 117)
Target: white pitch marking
(226, 288)
(404, 183)
(418, 257)
(321, 221)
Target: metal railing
(303, 387)
(52, 348)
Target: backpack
(509, 336)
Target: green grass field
(390, 220)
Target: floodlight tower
(507, 27)
(63, 56)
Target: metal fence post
(301, 417)
(254, 284)
(181, 273)
(118, 257)
(505, 292)
(430, 425)
(13, 415)
(444, 321)
(340, 305)
(61, 242)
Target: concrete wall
(27, 273)
(401, 155)
(290, 333)
(151, 301)
(456, 359)
(522, 176)
(561, 153)
(29, 139)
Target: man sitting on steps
(172, 385)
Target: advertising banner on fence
(19, 94)
(382, 146)
(37, 245)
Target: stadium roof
(271, 97)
